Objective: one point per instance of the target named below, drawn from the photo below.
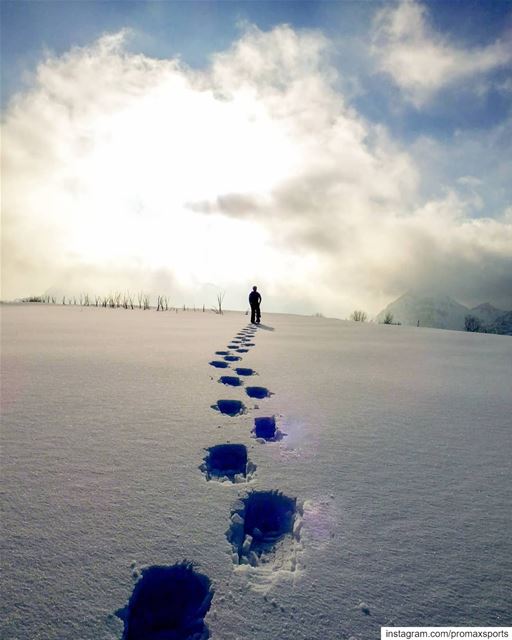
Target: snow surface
(397, 449)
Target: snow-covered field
(397, 451)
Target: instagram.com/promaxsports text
(444, 633)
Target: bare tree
(388, 318)
(359, 316)
(220, 299)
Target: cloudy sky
(336, 154)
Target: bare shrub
(162, 303)
(472, 324)
(359, 316)
(220, 299)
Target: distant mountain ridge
(443, 312)
(502, 325)
(486, 313)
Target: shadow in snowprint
(227, 462)
(229, 407)
(168, 602)
(244, 371)
(219, 364)
(265, 429)
(258, 392)
(265, 529)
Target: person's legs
(253, 314)
(258, 314)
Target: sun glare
(144, 164)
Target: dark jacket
(254, 298)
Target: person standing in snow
(255, 301)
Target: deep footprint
(232, 358)
(232, 381)
(168, 602)
(260, 523)
(230, 407)
(227, 461)
(222, 353)
(257, 392)
(265, 428)
(242, 371)
(219, 364)
(242, 350)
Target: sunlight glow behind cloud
(122, 171)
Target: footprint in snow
(229, 407)
(265, 529)
(243, 371)
(227, 462)
(232, 381)
(222, 353)
(265, 429)
(258, 392)
(232, 358)
(168, 602)
(220, 364)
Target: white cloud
(122, 171)
(420, 60)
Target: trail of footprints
(264, 526)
